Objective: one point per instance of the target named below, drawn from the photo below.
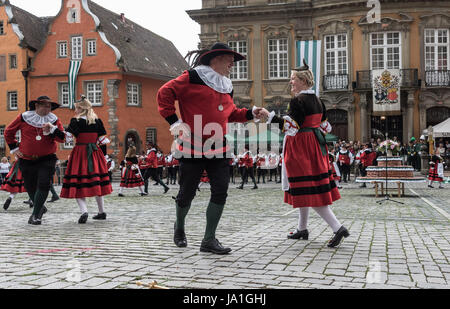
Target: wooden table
(400, 188)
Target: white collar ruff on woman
(214, 80)
(309, 91)
(34, 120)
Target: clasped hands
(260, 113)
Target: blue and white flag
(73, 73)
(311, 52)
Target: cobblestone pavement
(391, 245)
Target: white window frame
(95, 95)
(435, 66)
(12, 107)
(13, 63)
(240, 68)
(385, 46)
(134, 94)
(277, 55)
(62, 49)
(64, 96)
(336, 51)
(91, 47)
(77, 48)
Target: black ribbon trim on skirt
(86, 185)
(86, 176)
(20, 184)
(312, 190)
(310, 178)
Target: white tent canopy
(442, 129)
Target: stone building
(355, 39)
(121, 68)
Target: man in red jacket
(36, 151)
(205, 99)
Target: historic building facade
(116, 63)
(349, 41)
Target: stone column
(113, 94)
(351, 118)
(409, 132)
(364, 119)
(258, 70)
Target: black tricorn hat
(43, 99)
(217, 50)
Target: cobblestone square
(391, 245)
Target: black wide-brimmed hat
(217, 50)
(43, 99)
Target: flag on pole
(73, 73)
(311, 52)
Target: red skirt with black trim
(79, 182)
(433, 174)
(311, 182)
(131, 178)
(16, 184)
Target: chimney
(122, 17)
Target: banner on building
(386, 92)
(73, 74)
(311, 52)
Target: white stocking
(142, 190)
(100, 203)
(12, 195)
(121, 190)
(327, 214)
(82, 204)
(303, 219)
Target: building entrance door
(393, 125)
(338, 119)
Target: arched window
(436, 115)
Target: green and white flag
(73, 73)
(310, 51)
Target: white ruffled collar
(214, 80)
(37, 121)
(310, 91)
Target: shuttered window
(2, 68)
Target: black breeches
(37, 175)
(191, 171)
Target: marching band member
(248, 169)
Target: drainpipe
(25, 74)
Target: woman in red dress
(87, 170)
(131, 174)
(13, 184)
(306, 173)
(435, 171)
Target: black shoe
(430, 186)
(53, 199)
(7, 203)
(42, 212)
(156, 184)
(83, 219)
(100, 217)
(34, 221)
(299, 235)
(255, 187)
(144, 194)
(240, 188)
(166, 189)
(338, 236)
(29, 202)
(214, 246)
(121, 195)
(363, 185)
(179, 238)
